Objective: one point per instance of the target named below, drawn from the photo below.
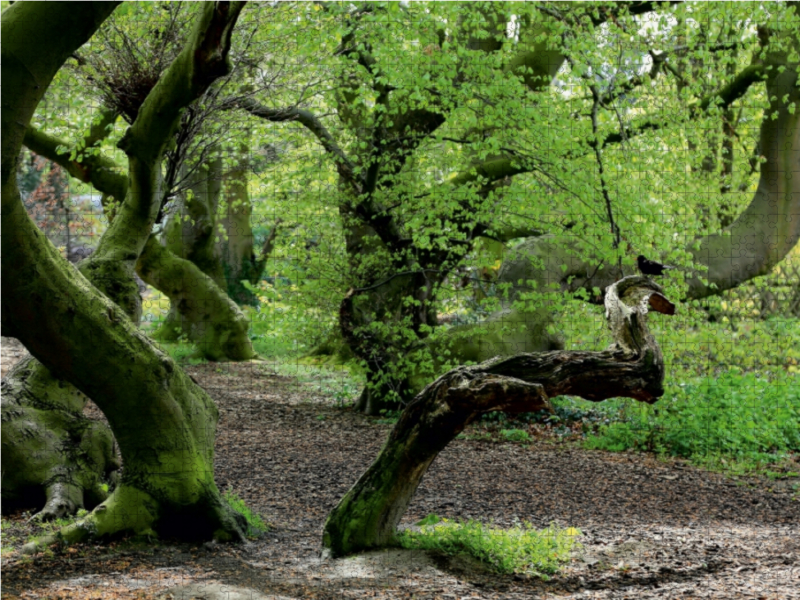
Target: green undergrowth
(515, 435)
(20, 530)
(520, 549)
(739, 422)
(273, 332)
(693, 347)
(337, 385)
(183, 352)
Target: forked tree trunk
(199, 306)
(53, 457)
(163, 422)
(632, 367)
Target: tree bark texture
(632, 366)
(212, 321)
(163, 422)
(52, 456)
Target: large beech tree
(53, 455)
(555, 117)
(79, 328)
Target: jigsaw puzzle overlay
(400, 300)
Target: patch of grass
(520, 549)
(480, 436)
(781, 474)
(515, 435)
(9, 537)
(340, 383)
(255, 524)
(20, 529)
(48, 527)
(182, 352)
(736, 422)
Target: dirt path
(650, 529)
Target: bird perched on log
(651, 267)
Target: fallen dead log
(632, 366)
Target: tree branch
(203, 59)
(344, 166)
(632, 366)
(604, 188)
(723, 98)
(95, 169)
(266, 248)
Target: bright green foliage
(490, 127)
(519, 549)
(733, 417)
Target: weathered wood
(632, 366)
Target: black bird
(651, 267)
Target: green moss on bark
(52, 455)
(213, 321)
(163, 422)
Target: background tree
(470, 141)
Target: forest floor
(650, 529)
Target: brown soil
(650, 529)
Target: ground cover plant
(520, 549)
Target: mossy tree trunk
(189, 234)
(212, 321)
(53, 457)
(194, 299)
(237, 249)
(632, 367)
(41, 411)
(163, 422)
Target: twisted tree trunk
(210, 318)
(632, 366)
(52, 455)
(163, 422)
